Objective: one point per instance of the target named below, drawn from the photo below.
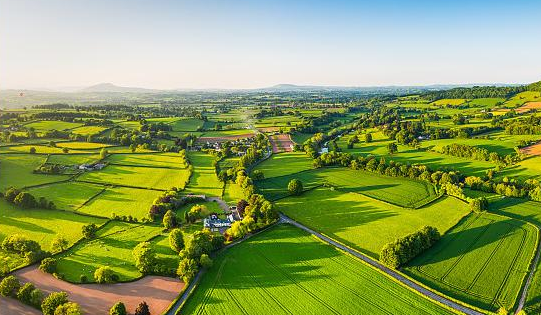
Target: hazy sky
(246, 44)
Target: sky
(170, 44)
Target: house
(324, 150)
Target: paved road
(382, 268)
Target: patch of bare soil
(534, 149)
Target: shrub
(36, 298)
(83, 279)
(205, 261)
(9, 286)
(295, 187)
(24, 294)
(479, 204)
(25, 200)
(53, 301)
(11, 193)
(144, 256)
(19, 244)
(187, 269)
(176, 240)
(59, 243)
(89, 230)
(142, 309)
(105, 274)
(404, 249)
(169, 220)
(69, 308)
(118, 309)
(48, 265)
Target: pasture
(285, 164)
(17, 171)
(482, 261)
(112, 247)
(203, 180)
(46, 125)
(164, 160)
(88, 130)
(67, 195)
(286, 271)
(364, 223)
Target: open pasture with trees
(286, 271)
(364, 223)
(285, 164)
(482, 261)
(164, 160)
(112, 247)
(40, 225)
(17, 170)
(67, 195)
(203, 180)
(76, 145)
(46, 125)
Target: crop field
(203, 180)
(112, 247)
(523, 97)
(46, 125)
(482, 261)
(16, 170)
(187, 124)
(165, 160)
(121, 201)
(226, 133)
(67, 195)
(75, 145)
(399, 191)
(88, 130)
(286, 271)
(135, 176)
(284, 164)
(40, 225)
(364, 223)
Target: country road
(390, 272)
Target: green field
(228, 133)
(73, 159)
(67, 196)
(46, 125)
(112, 247)
(88, 130)
(40, 225)
(482, 261)
(284, 164)
(166, 160)
(122, 201)
(203, 180)
(82, 145)
(364, 223)
(135, 176)
(187, 124)
(16, 170)
(286, 271)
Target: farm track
(397, 276)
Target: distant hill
(535, 86)
(111, 88)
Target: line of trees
(476, 153)
(404, 249)
(26, 200)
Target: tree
(169, 220)
(479, 204)
(176, 240)
(65, 150)
(69, 308)
(257, 175)
(25, 200)
(195, 213)
(368, 137)
(89, 230)
(295, 187)
(142, 309)
(103, 153)
(144, 256)
(32, 150)
(48, 265)
(53, 301)
(118, 309)
(36, 298)
(59, 243)
(187, 269)
(392, 148)
(24, 293)
(11, 194)
(105, 274)
(205, 261)
(241, 205)
(9, 286)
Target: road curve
(390, 272)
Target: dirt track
(10, 306)
(97, 299)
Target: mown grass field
(67, 195)
(187, 124)
(16, 170)
(227, 133)
(88, 130)
(203, 180)
(396, 190)
(40, 225)
(73, 159)
(46, 125)
(284, 164)
(75, 145)
(166, 160)
(121, 201)
(482, 261)
(40, 149)
(135, 176)
(364, 223)
(112, 247)
(286, 271)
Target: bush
(105, 274)
(205, 261)
(11, 194)
(83, 279)
(145, 257)
(479, 204)
(187, 269)
(295, 187)
(9, 286)
(176, 240)
(53, 301)
(36, 298)
(169, 220)
(404, 249)
(25, 293)
(20, 244)
(89, 230)
(118, 309)
(142, 309)
(25, 200)
(69, 308)
(48, 265)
